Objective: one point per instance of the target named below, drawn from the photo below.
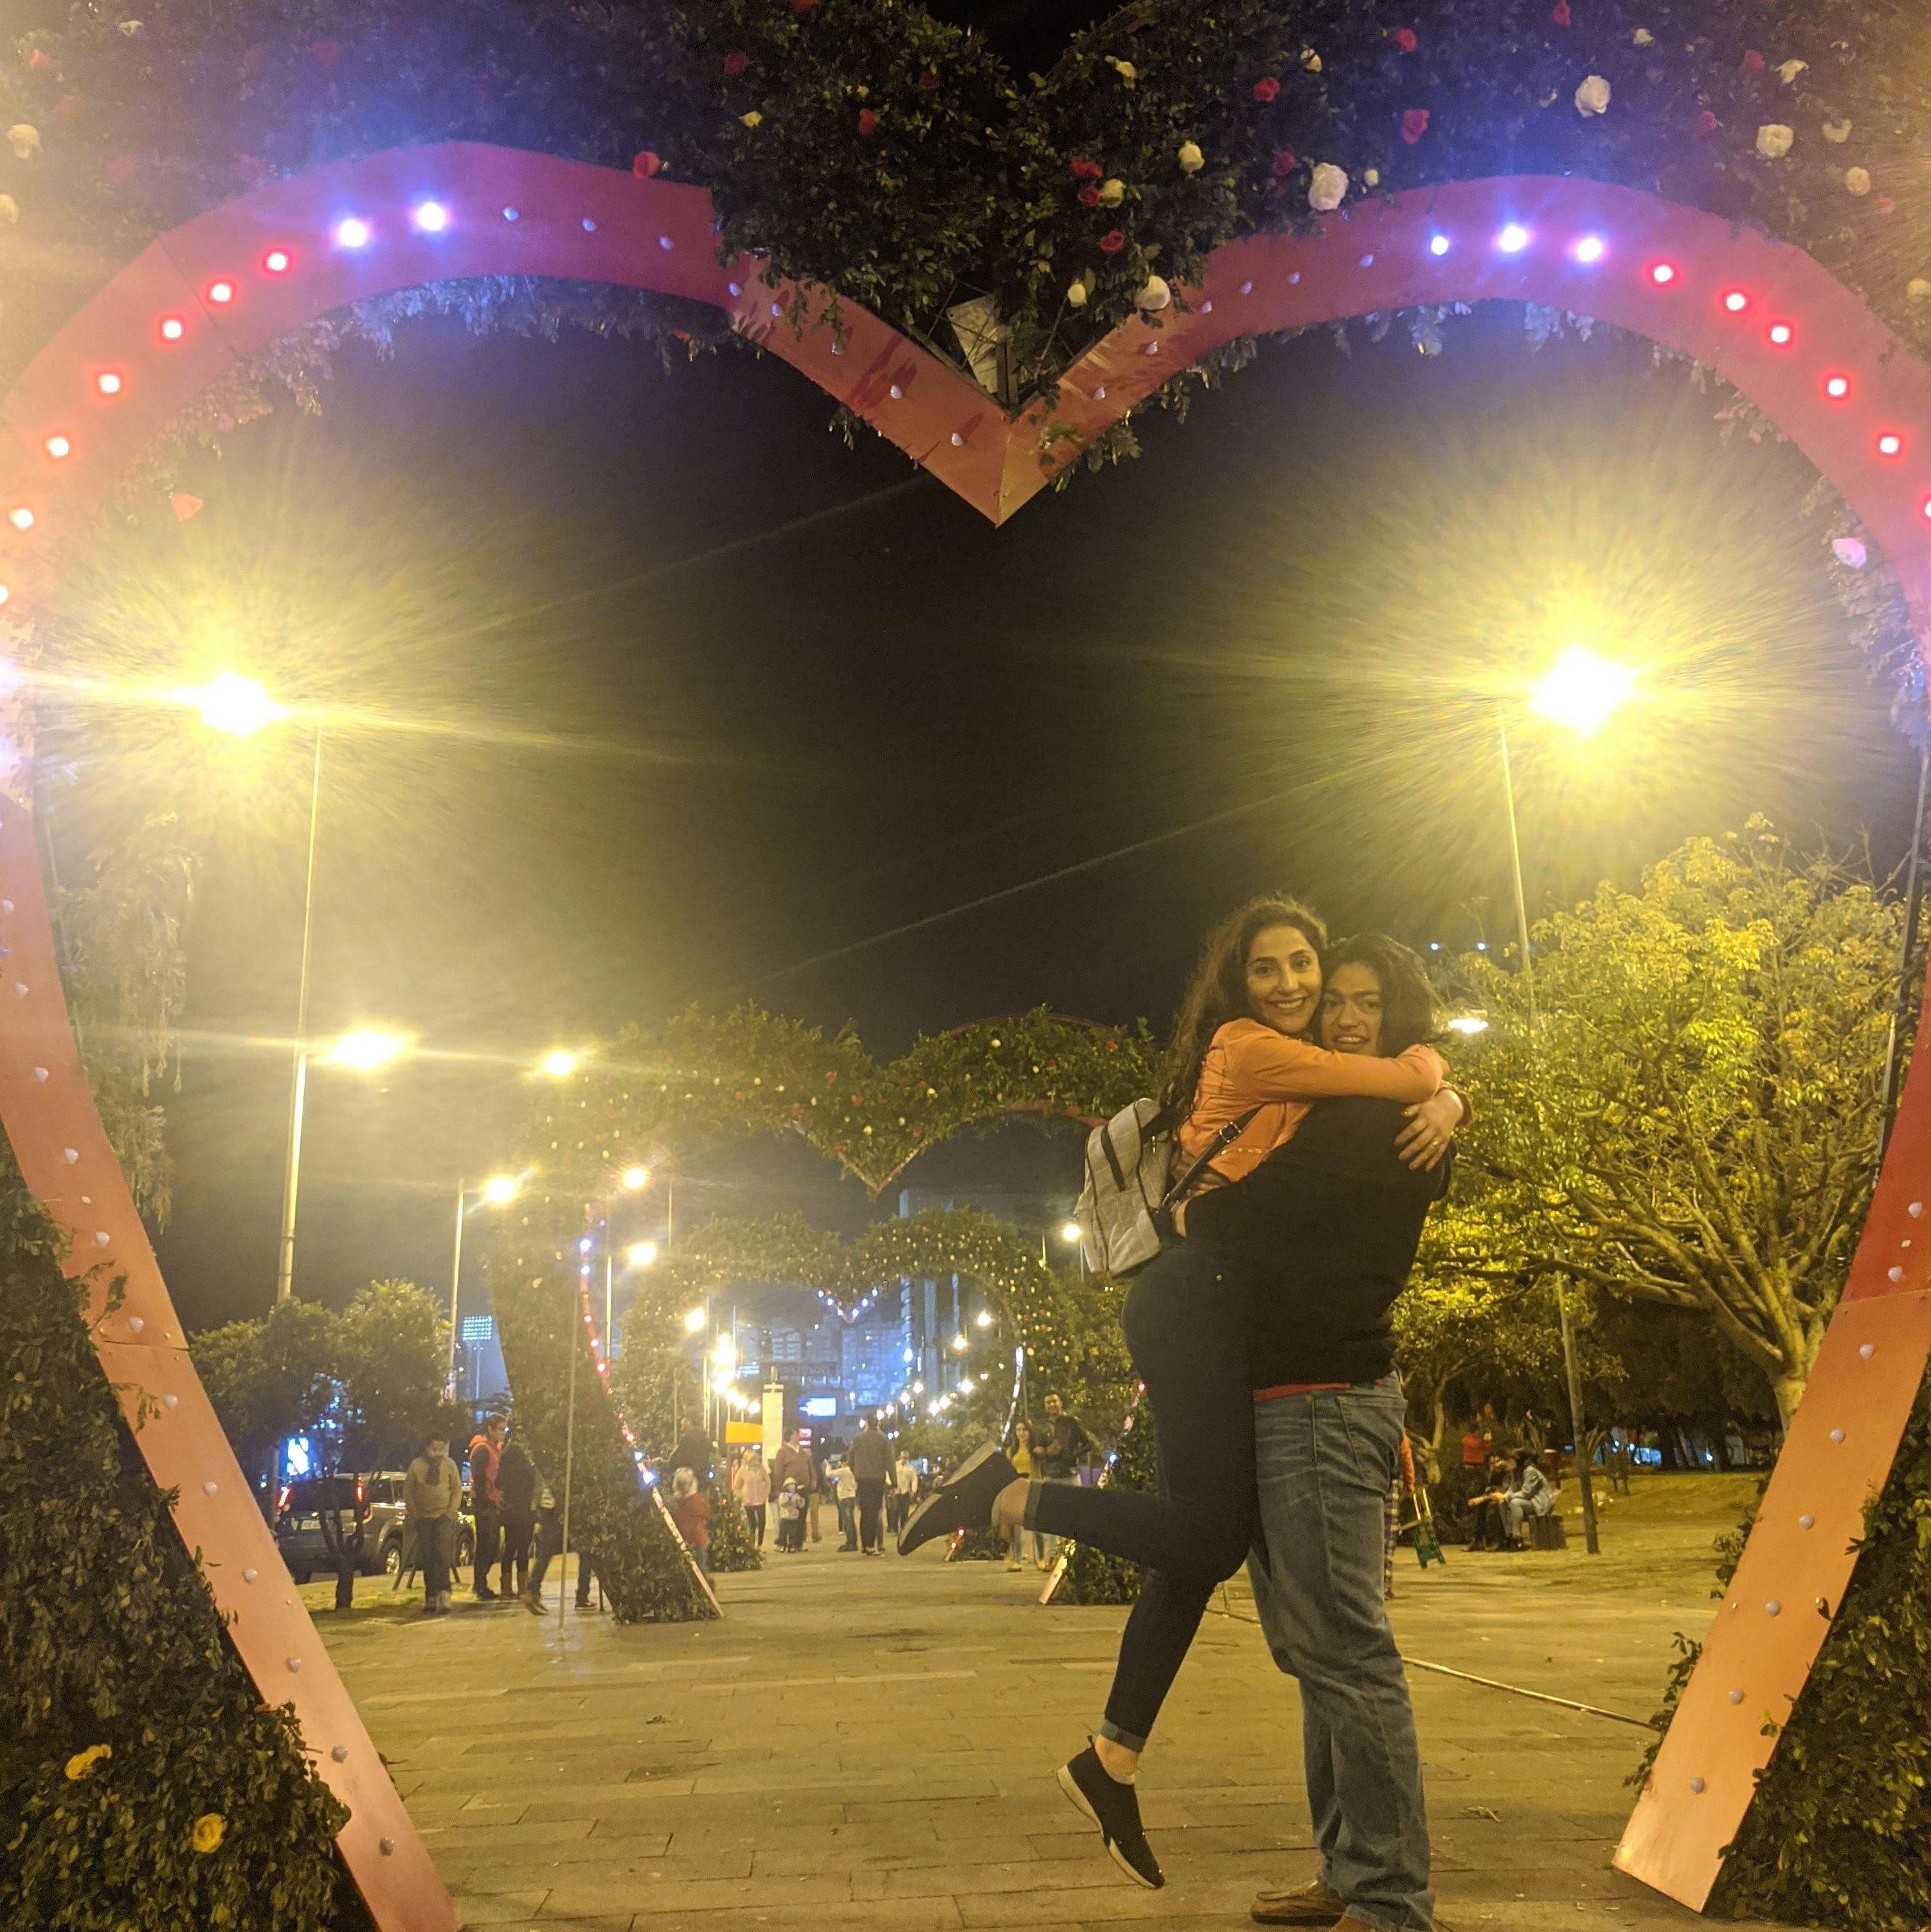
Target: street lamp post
(1581, 691)
(298, 1087)
(494, 1191)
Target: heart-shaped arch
(226, 286)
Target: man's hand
(1431, 1127)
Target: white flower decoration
(1155, 295)
(1592, 97)
(1791, 69)
(1851, 553)
(1837, 131)
(1076, 295)
(1327, 188)
(133, 29)
(1643, 37)
(1126, 70)
(1918, 289)
(1858, 181)
(1310, 60)
(1191, 159)
(1112, 192)
(25, 140)
(1774, 140)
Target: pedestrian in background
(751, 1483)
(432, 1503)
(845, 1488)
(486, 1501)
(904, 1493)
(870, 1461)
(691, 1511)
(516, 1484)
(549, 1545)
(1023, 1456)
(1401, 1494)
(790, 1515)
(794, 1465)
(1058, 1458)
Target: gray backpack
(1125, 1205)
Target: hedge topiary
(731, 1546)
(143, 1787)
(1840, 1832)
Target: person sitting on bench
(1531, 1496)
(1486, 1523)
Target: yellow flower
(82, 1764)
(207, 1830)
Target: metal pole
(1913, 900)
(608, 1272)
(569, 1465)
(291, 1176)
(1572, 1370)
(456, 1284)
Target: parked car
(376, 1499)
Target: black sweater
(1324, 1233)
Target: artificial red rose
(1560, 13)
(1085, 170)
(644, 163)
(1112, 241)
(1706, 122)
(1266, 87)
(868, 122)
(41, 61)
(1284, 163)
(1752, 62)
(1406, 39)
(735, 64)
(326, 52)
(1088, 196)
(1414, 124)
(929, 81)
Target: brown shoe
(1310, 1904)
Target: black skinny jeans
(1186, 1326)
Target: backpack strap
(1225, 1138)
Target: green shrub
(1092, 1575)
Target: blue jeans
(1324, 1463)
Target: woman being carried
(1238, 1048)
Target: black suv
(376, 1501)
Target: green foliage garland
(108, 1637)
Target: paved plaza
(870, 1742)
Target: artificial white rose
(1643, 37)
(1155, 295)
(1310, 60)
(1918, 289)
(1774, 140)
(1592, 96)
(1858, 181)
(1112, 192)
(1791, 69)
(1076, 295)
(1126, 70)
(1851, 553)
(1191, 159)
(1837, 131)
(1327, 188)
(25, 140)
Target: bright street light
(237, 705)
(635, 1179)
(558, 1064)
(983, 1319)
(1582, 692)
(1069, 1233)
(640, 1254)
(959, 1344)
(367, 1048)
(695, 1322)
(1468, 1024)
(501, 1189)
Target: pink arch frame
(226, 285)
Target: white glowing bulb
(641, 1254)
(431, 217)
(352, 233)
(694, 1320)
(983, 1319)
(1513, 239)
(500, 1188)
(1069, 1233)
(1591, 248)
(1438, 245)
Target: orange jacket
(1251, 1065)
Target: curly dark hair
(1218, 991)
(1409, 1012)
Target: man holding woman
(1263, 1341)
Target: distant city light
(694, 1320)
(641, 1254)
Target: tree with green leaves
(392, 1356)
(269, 1379)
(1692, 1124)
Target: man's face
(437, 1449)
(1054, 1408)
(497, 1432)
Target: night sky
(665, 695)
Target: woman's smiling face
(1283, 979)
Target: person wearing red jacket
(486, 1500)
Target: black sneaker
(1115, 1808)
(964, 1500)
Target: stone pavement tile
(923, 1915)
(457, 1839)
(498, 1908)
(636, 1891)
(1226, 1901)
(580, 1802)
